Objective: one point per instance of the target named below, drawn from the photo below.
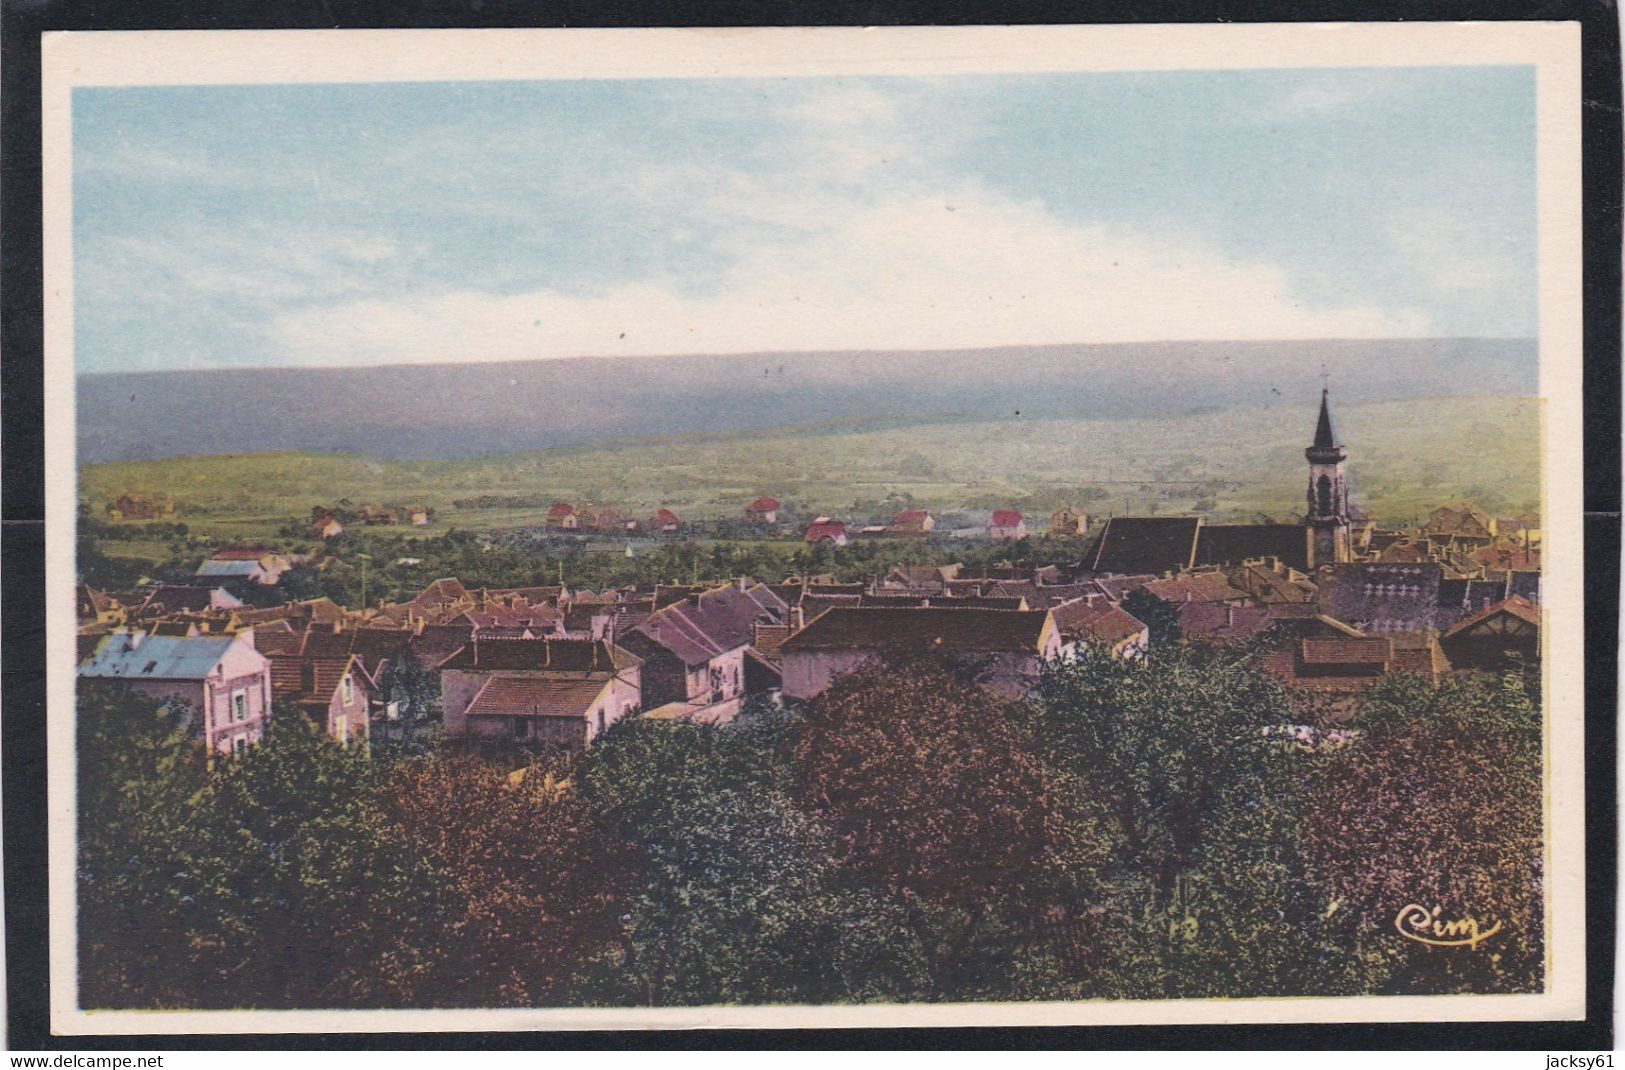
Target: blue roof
(228, 568)
(127, 656)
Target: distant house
(141, 505)
(558, 692)
(1523, 529)
(825, 530)
(1504, 637)
(1006, 649)
(372, 514)
(1461, 524)
(248, 564)
(611, 521)
(93, 607)
(561, 516)
(324, 525)
(225, 680)
(911, 523)
(418, 515)
(923, 578)
(763, 510)
(1007, 525)
(664, 522)
(171, 598)
(1068, 523)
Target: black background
(22, 570)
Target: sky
(329, 225)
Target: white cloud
(1454, 255)
(1327, 93)
(911, 270)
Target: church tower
(1328, 516)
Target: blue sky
(373, 224)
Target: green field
(1405, 458)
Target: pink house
(911, 522)
(559, 692)
(826, 530)
(697, 652)
(1007, 525)
(763, 510)
(224, 678)
(334, 692)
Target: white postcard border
(266, 57)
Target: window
(239, 744)
(239, 705)
(521, 727)
(349, 690)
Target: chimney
(798, 618)
(476, 646)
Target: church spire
(1325, 439)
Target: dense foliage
(1135, 830)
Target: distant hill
(1405, 457)
(447, 411)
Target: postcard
(582, 529)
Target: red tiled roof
(441, 591)
(1096, 620)
(573, 655)
(559, 510)
(1371, 651)
(770, 638)
(1517, 606)
(825, 529)
(536, 696)
(762, 505)
(1006, 518)
(239, 553)
(1211, 620)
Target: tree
(1160, 618)
(140, 771)
(525, 878)
(295, 892)
(936, 791)
(738, 896)
(1206, 894)
(1437, 805)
